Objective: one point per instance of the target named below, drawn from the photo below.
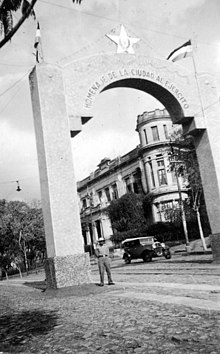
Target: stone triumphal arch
(63, 97)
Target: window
(100, 195)
(136, 186)
(98, 228)
(145, 135)
(128, 185)
(84, 203)
(114, 191)
(167, 206)
(152, 174)
(160, 163)
(165, 131)
(155, 133)
(107, 193)
(162, 178)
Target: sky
(70, 30)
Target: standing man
(102, 253)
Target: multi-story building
(145, 170)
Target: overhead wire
(14, 84)
(116, 21)
(12, 97)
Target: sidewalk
(158, 307)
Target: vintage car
(145, 248)
(138, 247)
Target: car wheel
(127, 260)
(147, 257)
(168, 255)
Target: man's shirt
(102, 250)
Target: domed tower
(154, 130)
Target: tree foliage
(126, 213)
(7, 8)
(22, 237)
(184, 161)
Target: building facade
(144, 170)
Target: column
(67, 264)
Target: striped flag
(182, 52)
(37, 45)
(37, 37)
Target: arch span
(160, 93)
(174, 88)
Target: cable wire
(11, 98)
(14, 84)
(116, 21)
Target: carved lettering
(159, 79)
(134, 72)
(103, 79)
(112, 75)
(123, 72)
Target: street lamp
(18, 189)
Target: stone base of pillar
(215, 245)
(68, 270)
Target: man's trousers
(104, 264)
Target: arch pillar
(208, 154)
(66, 263)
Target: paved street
(167, 306)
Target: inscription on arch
(124, 73)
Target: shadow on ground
(16, 329)
(76, 290)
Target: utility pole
(90, 221)
(182, 211)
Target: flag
(37, 45)
(37, 37)
(182, 52)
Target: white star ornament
(123, 42)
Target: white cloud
(89, 150)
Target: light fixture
(18, 187)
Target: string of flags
(181, 52)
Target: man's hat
(101, 239)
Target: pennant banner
(182, 52)
(37, 45)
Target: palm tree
(7, 7)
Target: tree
(126, 213)
(22, 234)
(185, 163)
(196, 190)
(7, 8)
